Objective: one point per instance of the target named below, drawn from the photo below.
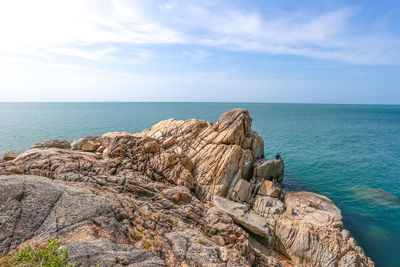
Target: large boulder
(272, 169)
(268, 188)
(307, 227)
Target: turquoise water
(350, 153)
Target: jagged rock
(232, 127)
(89, 146)
(8, 156)
(268, 188)
(122, 226)
(242, 215)
(139, 202)
(269, 168)
(62, 144)
(265, 205)
(241, 191)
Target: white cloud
(36, 27)
(95, 30)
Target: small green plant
(202, 242)
(147, 246)
(138, 235)
(49, 255)
(175, 222)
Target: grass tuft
(49, 255)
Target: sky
(208, 51)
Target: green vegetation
(138, 236)
(49, 255)
(201, 242)
(175, 222)
(147, 246)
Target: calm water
(351, 153)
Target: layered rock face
(183, 193)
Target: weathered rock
(210, 148)
(268, 188)
(136, 228)
(10, 156)
(92, 253)
(242, 215)
(101, 149)
(272, 168)
(313, 209)
(265, 205)
(144, 204)
(90, 146)
(169, 142)
(232, 127)
(241, 191)
(62, 144)
(151, 147)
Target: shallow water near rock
(335, 150)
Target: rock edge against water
(183, 193)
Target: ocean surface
(350, 153)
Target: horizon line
(205, 102)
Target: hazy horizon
(204, 102)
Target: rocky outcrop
(174, 195)
(10, 156)
(62, 144)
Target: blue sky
(233, 51)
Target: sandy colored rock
(269, 168)
(145, 204)
(265, 205)
(169, 142)
(242, 215)
(313, 209)
(151, 147)
(89, 146)
(8, 156)
(62, 144)
(268, 188)
(101, 149)
(241, 191)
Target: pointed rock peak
(232, 127)
(233, 119)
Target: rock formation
(183, 193)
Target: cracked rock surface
(183, 193)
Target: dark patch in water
(292, 182)
(376, 196)
(375, 236)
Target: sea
(350, 153)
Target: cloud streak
(96, 30)
(76, 27)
